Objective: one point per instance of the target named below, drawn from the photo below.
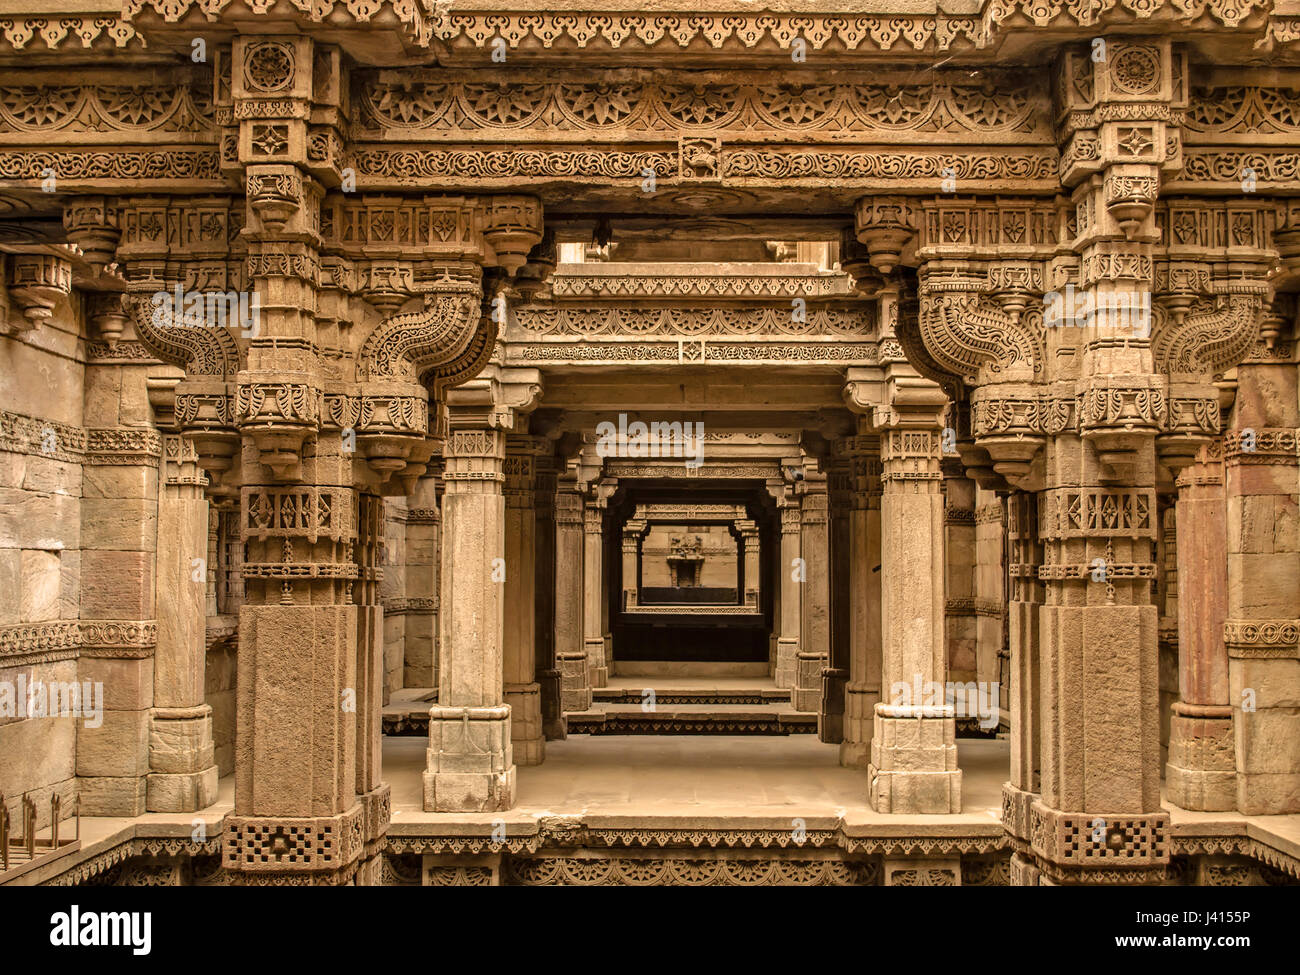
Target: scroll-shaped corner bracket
(908, 332)
(202, 350)
(971, 338)
(1210, 336)
(404, 346)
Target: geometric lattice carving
(1085, 839)
(308, 844)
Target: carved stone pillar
(815, 612)
(1201, 773)
(593, 588)
(554, 726)
(522, 692)
(471, 764)
(1024, 601)
(990, 596)
(959, 577)
(570, 652)
(913, 750)
(790, 575)
(182, 773)
(1262, 629)
(862, 693)
(633, 529)
(752, 579)
(830, 717)
(423, 526)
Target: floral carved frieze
(124, 109)
(534, 320)
(1240, 111)
(997, 107)
(380, 166)
(123, 164)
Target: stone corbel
(204, 403)
(1116, 414)
(92, 224)
(512, 226)
(1130, 194)
(107, 316)
(864, 389)
(36, 283)
(393, 364)
(1286, 235)
(885, 225)
(275, 193)
(533, 276)
(497, 398)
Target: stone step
(710, 719)
(670, 694)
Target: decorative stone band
(1278, 446)
(625, 320)
(1096, 513)
(31, 643)
(1058, 571)
(692, 610)
(1084, 840)
(417, 606)
(959, 606)
(139, 167)
(316, 844)
(688, 350)
(492, 167)
(711, 31)
(1262, 638)
(423, 516)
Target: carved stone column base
(922, 873)
(1201, 773)
(1015, 811)
(293, 850)
(1098, 848)
(860, 702)
(914, 763)
(525, 701)
(1024, 872)
(376, 812)
(471, 764)
(830, 713)
(807, 694)
(181, 791)
(786, 663)
(575, 686)
(554, 726)
(597, 669)
(183, 776)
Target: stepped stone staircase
(691, 706)
(651, 706)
